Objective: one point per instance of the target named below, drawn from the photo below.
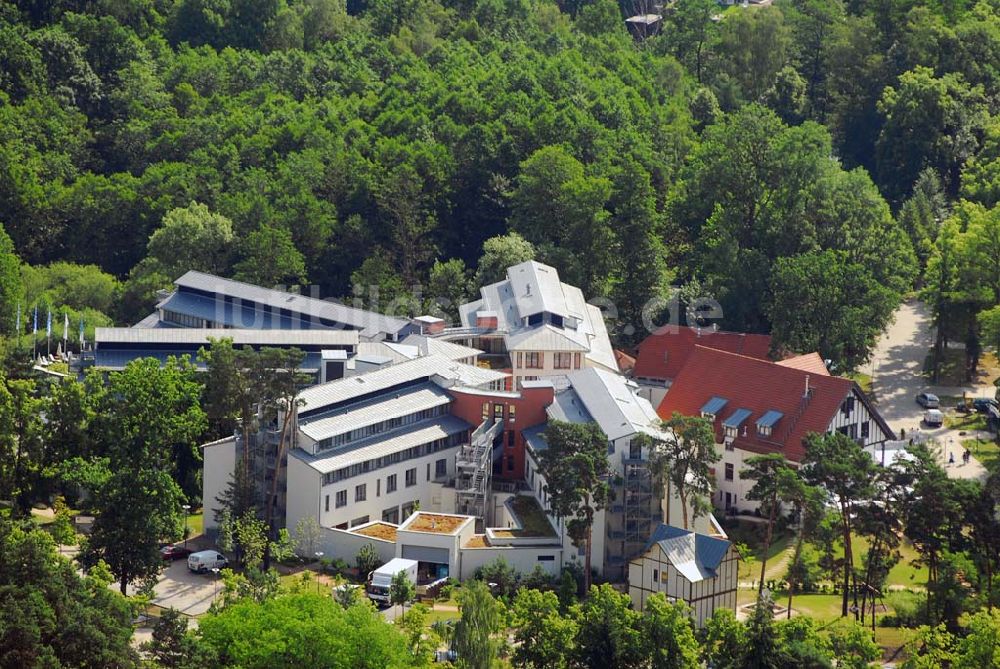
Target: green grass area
(965, 421)
(434, 615)
(533, 520)
(986, 451)
(196, 523)
(752, 534)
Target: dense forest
(806, 163)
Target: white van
(933, 418)
(204, 561)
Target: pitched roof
(758, 386)
(809, 362)
(434, 367)
(543, 338)
(614, 404)
(626, 363)
(663, 354)
(695, 556)
(370, 323)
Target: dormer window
(732, 424)
(766, 423)
(712, 407)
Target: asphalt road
(189, 593)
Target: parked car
(928, 400)
(933, 418)
(204, 561)
(983, 404)
(174, 552)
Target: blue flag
(17, 328)
(81, 334)
(34, 329)
(48, 325)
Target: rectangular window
(441, 468)
(341, 526)
(764, 430)
(848, 406)
(729, 471)
(510, 412)
(546, 558)
(361, 492)
(563, 360)
(498, 412)
(390, 484)
(656, 575)
(341, 498)
(391, 515)
(486, 410)
(520, 359)
(865, 430)
(576, 361)
(534, 360)
(427, 476)
(359, 521)
(407, 510)
(411, 477)
(378, 487)
(326, 505)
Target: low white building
(700, 570)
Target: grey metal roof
(736, 418)
(368, 322)
(536, 288)
(568, 407)
(198, 336)
(543, 338)
(714, 405)
(386, 407)
(434, 346)
(770, 418)
(426, 367)
(377, 447)
(614, 403)
(116, 360)
(696, 556)
(535, 438)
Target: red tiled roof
(810, 362)
(759, 386)
(663, 353)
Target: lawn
(752, 534)
(965, 421)
(196, 524)
(984, 450)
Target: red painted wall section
(528, 410)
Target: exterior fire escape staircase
(474, 464)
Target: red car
(174, 552)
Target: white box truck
(380, 580)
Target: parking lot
(189, 593)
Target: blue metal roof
(770, 418)
(708, 551)
(736, 418)
(714, 405)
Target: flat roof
(435, 523)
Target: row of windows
(560, 360)
(183, 319)
(498, 411)
(361, 490)
(401, 456)
(380, 427)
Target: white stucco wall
(219, 461)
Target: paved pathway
(898, 364)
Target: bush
(538, 579)
(910, 609)
(501, 573)
(367, 560)
(62, 529)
